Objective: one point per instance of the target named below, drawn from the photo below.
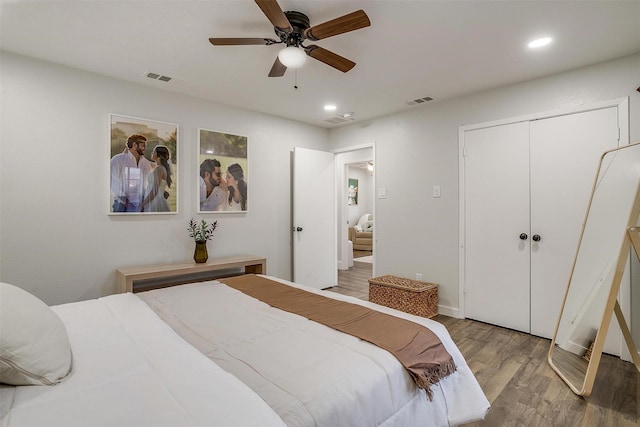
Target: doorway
(355, 179)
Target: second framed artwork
(222, 172)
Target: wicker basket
(410, 296)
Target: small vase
(201, 255)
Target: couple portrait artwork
(143, 166)
(223, 172)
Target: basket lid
(402, 283)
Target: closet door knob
(523, 236)
(536, 237)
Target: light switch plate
(382, 193)
(436, 191)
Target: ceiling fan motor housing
(299, 22)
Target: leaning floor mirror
(610, 229)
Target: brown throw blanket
(418, 349)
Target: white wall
(417, 149)
(56, 239)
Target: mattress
(131, 369)
(312, 375)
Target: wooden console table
(144, 278)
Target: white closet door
(565, 153)
(496, 184)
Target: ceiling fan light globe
(292, 57)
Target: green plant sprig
(201, 232)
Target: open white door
(314, 213)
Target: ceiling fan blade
(230, 41)
(274, 13)
(333, 59)
(350, 22)
(278, 69)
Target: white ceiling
(412, 49)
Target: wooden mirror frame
(579, 372)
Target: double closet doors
(527, 186)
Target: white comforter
(312, 375)
(131, 369)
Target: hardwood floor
(512, 369)
(354, 281)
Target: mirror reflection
(597, 272)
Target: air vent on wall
(419, 100)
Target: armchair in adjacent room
(362, 233)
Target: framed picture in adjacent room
(222, 176)
(143, 177)
(352, 192)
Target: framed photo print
(222, 172)
(352, 192)
(143, 174)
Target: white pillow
(364, 218)
(34, 346)
(368, 225)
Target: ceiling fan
(292, 29)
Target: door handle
(523, 236)
(536, 237)
(297, 228)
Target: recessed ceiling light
(330, 107)
(543, 41)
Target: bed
(309, 374)
(131, 369)
(245, 363)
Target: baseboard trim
(449, 311)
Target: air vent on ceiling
(419, 100)
(160, 77)
(341, 118)
(336, 120)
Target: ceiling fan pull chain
(295, 83)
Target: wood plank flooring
(354, 281)
(512, 369)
